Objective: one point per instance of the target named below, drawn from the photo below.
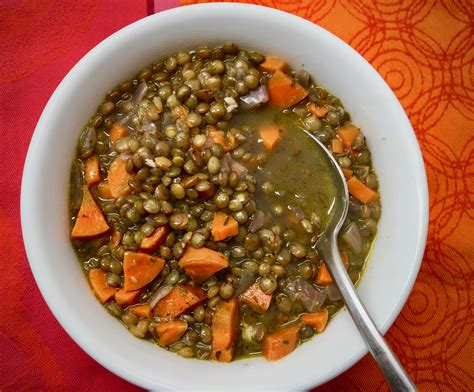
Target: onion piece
(301, 291)
(352, 237)
(255, 98)
(139, 93)
(246, 280)
(229, 164)
(334, 294)
(162, 292)
(257, 221)
(302, 77)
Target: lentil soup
(196, 200)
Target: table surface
(423, 49)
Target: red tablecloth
(424, 49)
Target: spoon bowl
(395, 375)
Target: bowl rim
(27, 182)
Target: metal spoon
(395, 375)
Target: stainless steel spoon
(395, 375)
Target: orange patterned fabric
(425, 51)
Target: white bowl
(44, 206)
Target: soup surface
(196, 201)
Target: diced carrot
(100, 288)
(281, 343)
(170, 332)
(336, 146)
(139, 269)
(179, 300)
(348, 133)
(272, 64)
(223, 226)
(224, 330)
(157, 238)
(141, 310)
(284, 92)
(220, 137)
(323, 278)
(91, 170)
(319, 111)
(117, 131)
(200, 264)
(115, 239)
(317, 320)
(90, 221)
(270, 135)
(347, 172)
(104, 190)
(119, 178)
(345, 259)
(123, 297)
(360, 191)
(256, 298)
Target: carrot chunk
(323, 278)
(117, 131)
(170, 332)
(99, 287)
(123, 297)
(141, 310)
(347, 172)
(317, 320)
(91, 170)
(104, 190)
(272, 64)
(319, 111)
(348, 133)
(224, 330)
(179, 300)
(139, 269)
(336, 146)
(157, 238)
(90, 221)
(256, 298)
(119, 178)
(284, 92)
(223, 226)
(270, 135)
(200, 264)
(360, 191)
(281, 343)
(227, 141)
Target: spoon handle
(394, 373)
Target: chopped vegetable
(319, 111)
(324, 277)
(224, 330)
(223, 226)
(117, 131)
(104, 190)
(140, 269)
(123, 297)
(170, 332)
(270, 135)
(200, 264)
(347, 172)
(162, 292)
(119, 178)
(115, 239)
(272, 64)
(255, 98)
(91, 170)
(348, 133)
(352, 237)
(256, 298)
(141, 310)
(317, 320)
(179, 300)
(219, 137)
(100, 288)
(360, 191)
(281, 343)
(336, 146)
(90, 221)
(300, 290)
(157, 238)
(283, 92)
